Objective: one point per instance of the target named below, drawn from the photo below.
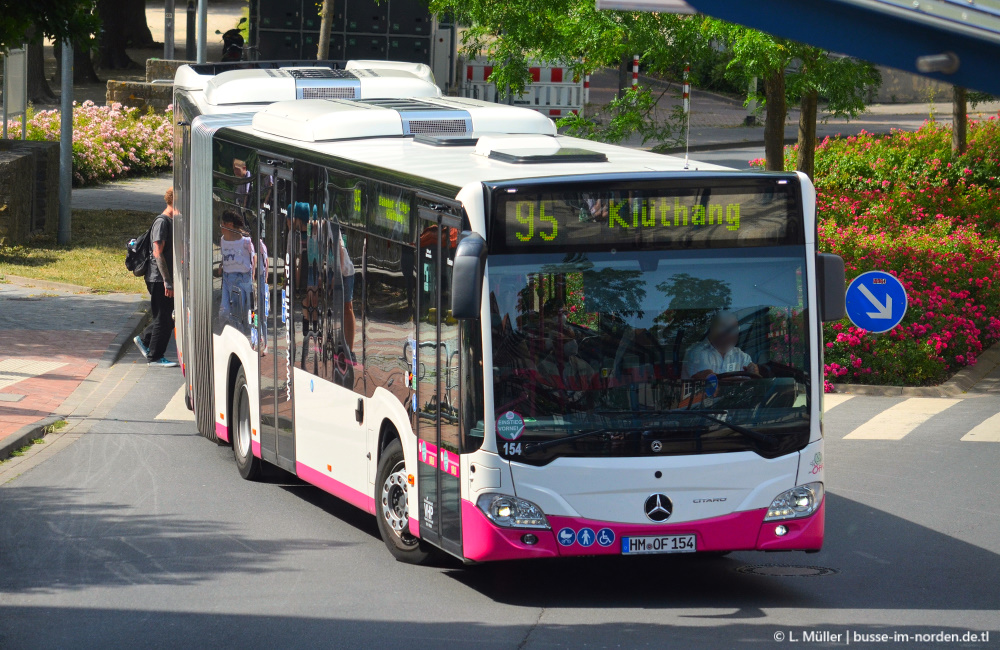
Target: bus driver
(718, 353)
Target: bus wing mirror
(832, 287)
(467, 276)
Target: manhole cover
(786, 570)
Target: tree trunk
(83, 65)
(807, 133)
(114, 37)
(38, 86)
(136, 28)
(774, 121)
(959, 122)
(624, 75)
(325, 23)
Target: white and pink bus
(502, 342)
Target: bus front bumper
(483, 541)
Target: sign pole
(202, 30)
(168, 29)
(66, 145)
(6, 76)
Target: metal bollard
(189, 41)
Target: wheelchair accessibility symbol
(605, 537)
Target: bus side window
(388, 323)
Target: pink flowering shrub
(109, 142)
(904, 204)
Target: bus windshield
(622, 342)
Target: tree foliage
(55, 19)
(574, 33)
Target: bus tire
(246, 462)
(391, 511)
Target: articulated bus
(502, 342)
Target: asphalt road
(142, 534)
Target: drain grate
(787, 571)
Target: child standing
(238, 260)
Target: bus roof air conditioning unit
(424, 117)
(312, 120)
(419, 70)
(267, 86)
(321, 120)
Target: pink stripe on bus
(255, 448)
(427, 452)
(221, 431)
(336, 488)
(739, 531)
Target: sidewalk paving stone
(50, 341)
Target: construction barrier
(553, 91)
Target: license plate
(658, 544)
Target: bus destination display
(699, 218)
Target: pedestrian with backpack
(160, 284)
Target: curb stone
(135, 324)
(26, 434)
(962, 382)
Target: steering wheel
(739, 375)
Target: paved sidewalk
(143, 194)
(51, 339)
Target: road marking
(175, 408)
(15, 370)
(987, 431)
(894, 423)
(831, 400)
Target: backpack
(139, 251)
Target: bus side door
(438, 383)
(274, 291)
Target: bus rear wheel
(392, 507)
(246, 462)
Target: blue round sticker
(586, 537)
(605, 537)
(876, 301)
(711, 385)
(566, 536)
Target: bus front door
(436, 408)
(274, 323)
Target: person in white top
(717, 353)
(238, 259)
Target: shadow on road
(104, 544)
(882, 562)
(96, 627)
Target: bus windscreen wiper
(532, 447)
(756, 436)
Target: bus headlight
(511, 512)
(800, 501)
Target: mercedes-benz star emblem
(658, 507)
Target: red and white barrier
(635, 70)
(554, 91)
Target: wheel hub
(394, 502)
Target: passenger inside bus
(717, 352)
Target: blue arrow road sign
(876, 301)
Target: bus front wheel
(392, 496)
(246, 462)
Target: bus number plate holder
(647, 544)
